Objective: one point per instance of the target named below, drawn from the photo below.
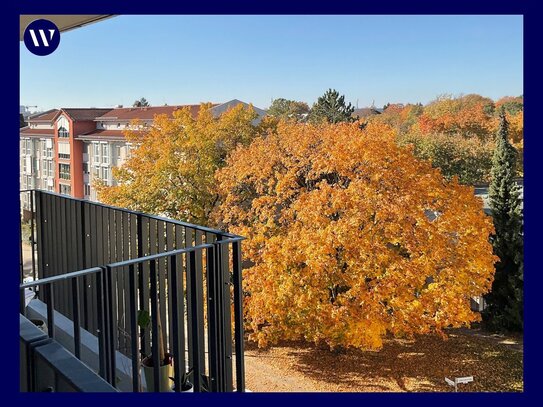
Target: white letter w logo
(42, 36)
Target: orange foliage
(350, 237)
(469, 115)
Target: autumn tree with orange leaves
(457, 133)
(350, 237)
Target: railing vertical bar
(178, 352)
(22, 300)
(68, 256)
(94, 259)
(72, 216)
(112, 321)
(143, 250)
(135, 232)
(170, 245)
(48, 226)
(133, 309)
(107, 333)
(101, 331)
(155, 312)
(100, 258)
(51, 235)
(212, 318)
(196, 324)
(50, 310)
(161, 247)
(79, 242)
(125, 256)
(39, 232)
(107, 245)
(227, 316)
(221, 382)
(180, 288)
(116, 243)
(238, 316)
(62, 299)
(189, 273)
(198, 235)
(56, 266)
(32, 234)
(61, 230)
(85, 253)
(121, 240)
(21, 262)
(76, 318)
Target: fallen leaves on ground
(418, 365)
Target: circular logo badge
(42, 37)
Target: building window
(63, 133)
(105, 174)
(96, 152)
(49, 152)
(64, 171)
(105, 153)
(118, 152)
(63, 127)
(64, 151)
(65, 189)
(85, 168)
(26, 146)
(87, 189)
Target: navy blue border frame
(10, 203)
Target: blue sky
(191, 59)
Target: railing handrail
(97, 269)
(147, 215)
(172, 252)
(60, 277)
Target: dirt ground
(421, 365)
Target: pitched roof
(82, 114)
(47, 116)
(102, 134)
(219, 109)
(365, 112)
(144, 113)
(27, 131)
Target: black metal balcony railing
(100, 266)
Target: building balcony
(116, 290)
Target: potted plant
(186, 385)
(165, 358)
